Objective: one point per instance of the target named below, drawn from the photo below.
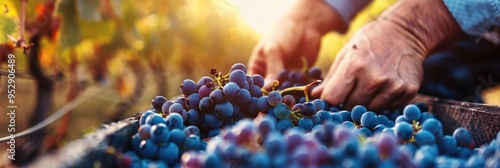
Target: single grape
(315, 73)
(255, 91)
(239, 66)
(382, 119)
(369, 155)
(281, 111)
(211, 121)
(464, 138)
(193, 117)
(289, 100)
(249, 80)
(166, 106)
(169, 153)
(346, 115)
(336, 117)
(348, 124)
(325, 116)
(379, 128)
(224, 110)
(319, 104)
(411, 112)
(434, 126)
(309, 109)
(369, 120)
(262, 104)
(448, 145)
(402, 119)
(158, 102)
(204, 91)
(274, 98)
(258, 80)
(403, 130)
(424, 116)
(192, 142)
(305, 123)
(154, 119)
(231, 90)
(251, 108)
(177, 136)
(188, 87)
(148, 149)
(365, 132)
(206, 105)
(144, 116)
(174, 120)
(357, 112)
(144, 131)
(159, 133)
(136, 142)
(193, 100)
(238, 77)
(284, 124)
(217, 96)
(203, 81)
(244, 97)
(424, 137)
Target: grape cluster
(230, 121)
(162, 140)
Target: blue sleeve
(348, 8)
(475, 17)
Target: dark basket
(482, 120)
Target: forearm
(428, 21)
(347, 9)
(317, 15)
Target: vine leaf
(89, 9)
(7, 27)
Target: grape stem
(305, 89)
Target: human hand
(381, 66)
(297, 34)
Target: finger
(364, 92)
(311, 46)
(257, 62)
(316, 92)
(384, 97)
(409, 92)
(339, 86)
(274, 63)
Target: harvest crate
(90, 151)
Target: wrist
(428, 22)
(317, 15)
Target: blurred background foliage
(136, 50)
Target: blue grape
(175, 120)
(424, 157)
(231, 90)
(346, 115)
(448, 146)
(238, 77)
(154, 119)
(382, 119)
(424, 116)
(193, 117)
(319, 104)
(244, 97)
(365, 132)
(251, 108)
(224, 110)
(160, 133)
(188, 87)
(214, 132)
(464, 138)
(211, 121)
(308, 109)
(239, 66)
(258, 80)
(263, 104)
(177, 136)
(325, 116)
(266, 125)
(284, 124)
(260, 159)
(379, 128)
(305, 123)
(206, 105)
(369, 120)
(165, 107)
(476, 161)
(148, 148)
(463, 153)
(348, 124)
(369, 155)
(169, 153)
(144, 131)
(192, 142)
(136, 142)
(403, 130)
(145, 115)
(281, 111)
(434, 126)
(217, 96)
(401, 119)
(411, 112)
(337, 117)
(203, 81)
(316, 120)
(275, 144)
(193, 100)
(424, 137)
(357, 112)
(255, 91)
(158, 102)
(192, 130)
(274, 98)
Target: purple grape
(188, 87)
(274, 98)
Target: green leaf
(70, 32)
(89, 9)
(7, 27)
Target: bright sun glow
(262, 14)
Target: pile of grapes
(231, 121)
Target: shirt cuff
(348, 8)
(475, 17)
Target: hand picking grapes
(384, 65)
